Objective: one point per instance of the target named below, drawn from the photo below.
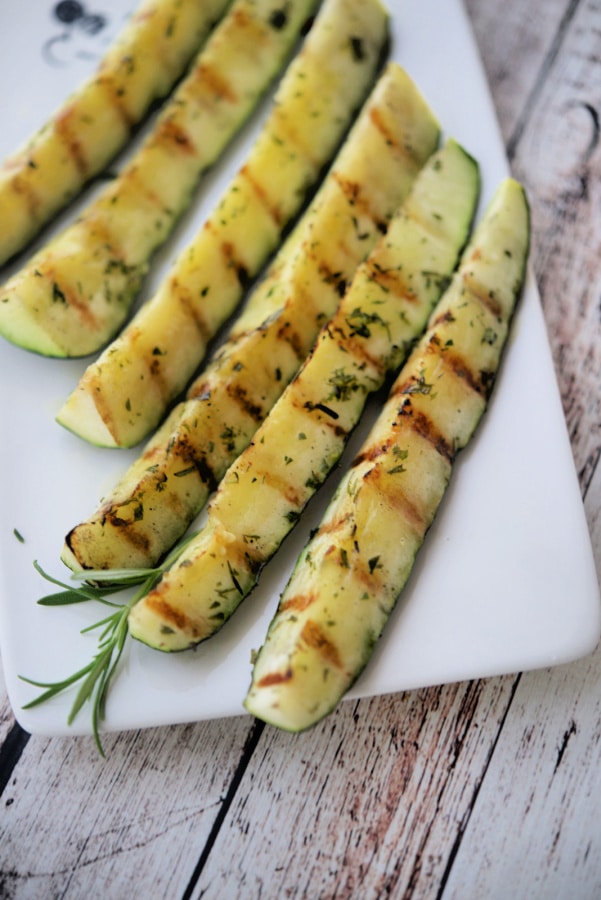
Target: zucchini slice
(264, 491)
(75, 293)
(167, 486)
(97, 120)
(348, 577)
(150, 363)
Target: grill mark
(300, 304)
(206, 472)
(127, 531)
(374, 456)
(314, 637)
(287, 490)
(153, 367)
(102, 407)
(24, 188)
(69, 141)
(261, 195)
(443, 318)
(387, 134)
(259, 37)
(275, 678)
(423, 425)
(98, 228)
(329, 415)
(287, 135)
(218, 85)
(231, 262)
(298, 602)
(192, 310)
(287, 334)
(117, 93)
(238, 395)
(82, 307)
(329, 419)
(332, 277)
(369, 576)
(157, 604)
(191, 456)
(102, 214)
(369, 455)
(175, 136)
(358, 198)
(431, 226)
(486, 297)
(390, 281)
(357, 350)
(398, 498)
(461, 369)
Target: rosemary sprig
(96, 677)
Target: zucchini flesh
(96, 121)
(265, 490)
(75, 293)
(168, 485)
(348, 577)
(124, 395)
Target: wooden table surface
(486, 789)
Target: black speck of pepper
(357, 48)
(57, 295)
(278, 19)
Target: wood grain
(138, 819)
(544, 777)
(516, 44)
(556, 151)
(366, 787)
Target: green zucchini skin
(166, 487)
(76, 292)
(96, 121)
(265, 490)
(349, 576)
(125, 394)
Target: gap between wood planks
(464, 823)
(546, 66)
(248, 750)
(10, 753)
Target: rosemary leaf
(96, 677)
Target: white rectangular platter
(506, 579)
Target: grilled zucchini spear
(96, 121)
(167, 486)
(124, 395)
(347, 579)
(264, 491)
(72, 296)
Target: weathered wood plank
(353, 807)
(558, 157)
(552, 62)
(544, 776)
(515, 40)
(135, 823)
(544, 771)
